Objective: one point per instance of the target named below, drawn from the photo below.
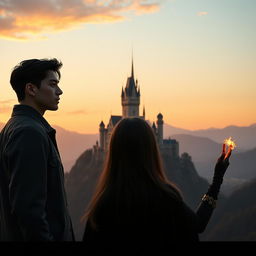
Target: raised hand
(223, 161)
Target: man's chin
(53, 108)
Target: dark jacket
(33, 204)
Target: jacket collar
(25, 110)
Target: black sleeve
(204, 211)
(196, 221)
(27, 154)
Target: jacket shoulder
(23, 125)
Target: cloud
(202, 13)
(29, 18)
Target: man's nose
(59, 91)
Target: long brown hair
(132, 167)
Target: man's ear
(30, 89)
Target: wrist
(210, 200)
(214, 190)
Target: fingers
(223, 153)
(228, 153)
(223, 148)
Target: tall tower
(160, 128)
(130, 97)
(102, 135)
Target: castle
(130, 99)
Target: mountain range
(234, 217)
(203, 150)
(244, 136)
(204, 146)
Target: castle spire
(131, 86)
(130, 96)
(132, 75)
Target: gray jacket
(33, 204)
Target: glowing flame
(230, 142)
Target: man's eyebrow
(54, 80)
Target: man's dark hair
(32, 71)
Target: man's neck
(33, 106)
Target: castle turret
(154, 129)
(160, 128)
(131, 97)
(102, 135)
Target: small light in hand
(230, 142)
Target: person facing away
(33, 203)
(135, 205)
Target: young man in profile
(33, 203)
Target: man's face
(48, 95)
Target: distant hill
(234, 220)
(245, 137)
(200, 148)
(242, 166)
(204, 154)
(72, 145)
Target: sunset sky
(195, 60)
